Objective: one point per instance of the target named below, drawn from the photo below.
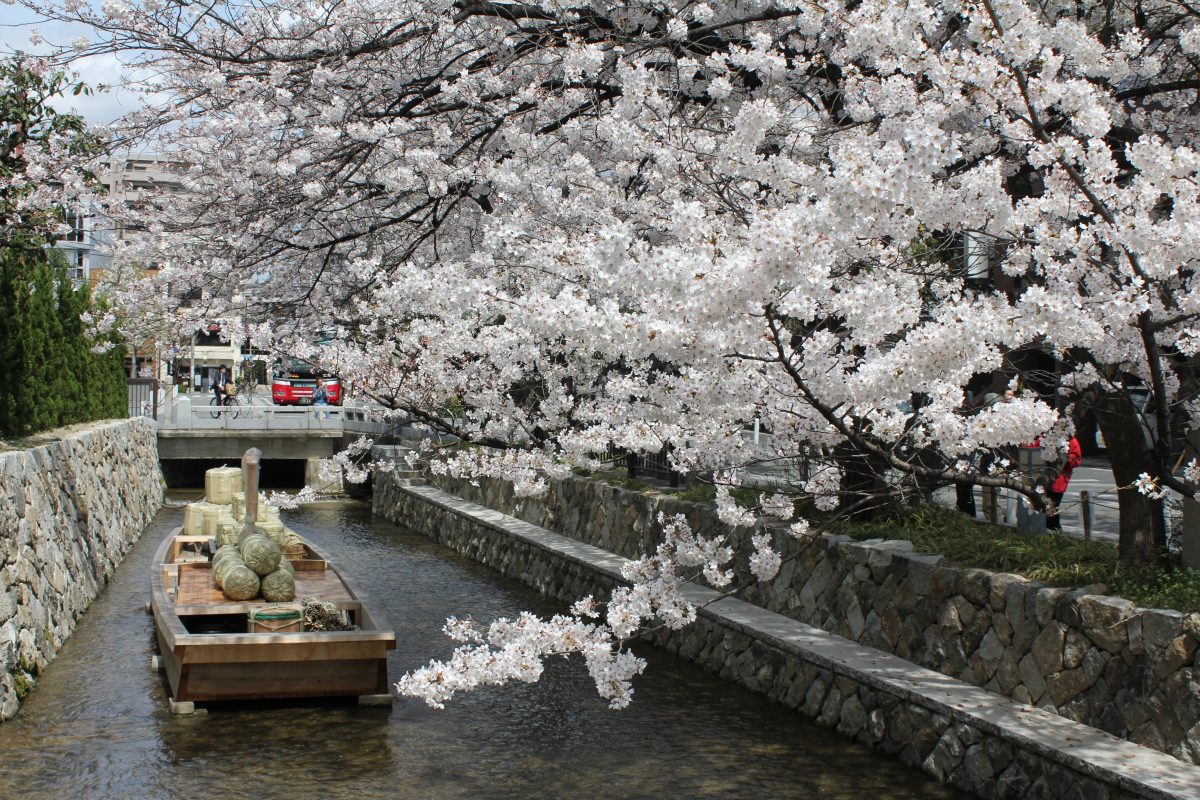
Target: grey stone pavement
(1093, 476)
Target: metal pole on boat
(250, 463)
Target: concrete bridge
(203, 433)
(281, 432)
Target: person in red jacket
(1059, 487)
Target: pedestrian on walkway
(981, 462)
(964, 491)
(1059, 486)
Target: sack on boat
(224, 552)
(276, 619)
(239, 505)
(221, 569)
(227, 530)
(219, 484)
(212, 515)
(241, 583)
(257, 530)
(193, 518)
(261, 554)
(272, 529)
(229, 537)
(279, 586)
(248, 534)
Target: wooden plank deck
(198, 588)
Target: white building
(85, 244)
(86, 247)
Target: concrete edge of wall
(1118, 764)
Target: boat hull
(206, 666)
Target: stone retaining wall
(69, 511)
(963, 735)
(1130, 671)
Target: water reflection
(97, 725)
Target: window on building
(77, 223)
(77, 266)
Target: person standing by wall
(983, 461)
(320, 397)
(1059, 486)
(964, 491)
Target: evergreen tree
(14, 336)
(70, 352)
(75, 352)
(49, 374)
(41, 403)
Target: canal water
(97, 724)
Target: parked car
(293, 384)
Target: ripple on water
(97, 724)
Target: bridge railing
(328, 420)
(143, 397)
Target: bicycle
(230, 403)
(245, 391)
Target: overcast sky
(16, 23)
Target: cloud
(98, 108)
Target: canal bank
(69, 511)
(98, 724)
(1092, 658)
(961, 734)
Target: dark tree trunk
(1142, 534)
(863, 487)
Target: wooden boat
(208, 655)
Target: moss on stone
(23, 684)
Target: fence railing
(651, 465)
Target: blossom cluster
(637, 231)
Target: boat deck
(234, 664)
(198, 592)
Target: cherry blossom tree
(46, 158)
(597, 226)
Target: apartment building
(87, 244)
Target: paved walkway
(1094, 476)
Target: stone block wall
(69, 511)
(1132, 672)
(960, 734)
